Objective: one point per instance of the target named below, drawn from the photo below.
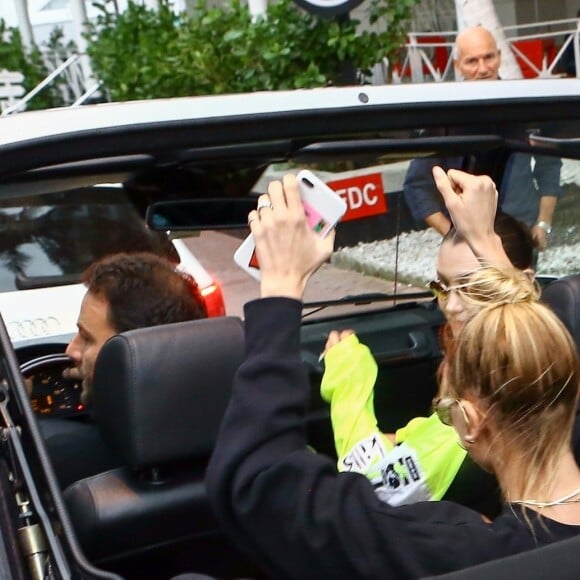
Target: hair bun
(491, 286)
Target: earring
(469, 439)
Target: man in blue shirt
(531, 185)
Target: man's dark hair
(143, 289)
(516, 239)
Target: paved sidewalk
(215, 251)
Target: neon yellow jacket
(426, 457)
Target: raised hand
(471, 201)
(288, 251)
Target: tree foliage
(142, 53)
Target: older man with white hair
(477, 56)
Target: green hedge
(142, 53)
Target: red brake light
(214, 300)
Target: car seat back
(159, 396)
(563, 296)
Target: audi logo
(30, 328)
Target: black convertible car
(192, 168)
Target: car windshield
(383, 250)
(385, 253)
(51, 239)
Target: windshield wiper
(368, 298)
(364, 299)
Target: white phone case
(322, 205)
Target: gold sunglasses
(443, 405)
(441, 291)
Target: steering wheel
(48, 360)
(51, 394)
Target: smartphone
(323, 208)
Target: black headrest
(159, 393)
(563, 296)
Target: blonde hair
(519, 361)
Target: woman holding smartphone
(509, 388)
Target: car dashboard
(51, 395)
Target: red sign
(254, 260)
(364, 195)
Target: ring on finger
(264, 205)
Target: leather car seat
(159, 396)
(559, 560)
(563, 296)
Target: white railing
(10, 88)
(428, 56)
(71, 77)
